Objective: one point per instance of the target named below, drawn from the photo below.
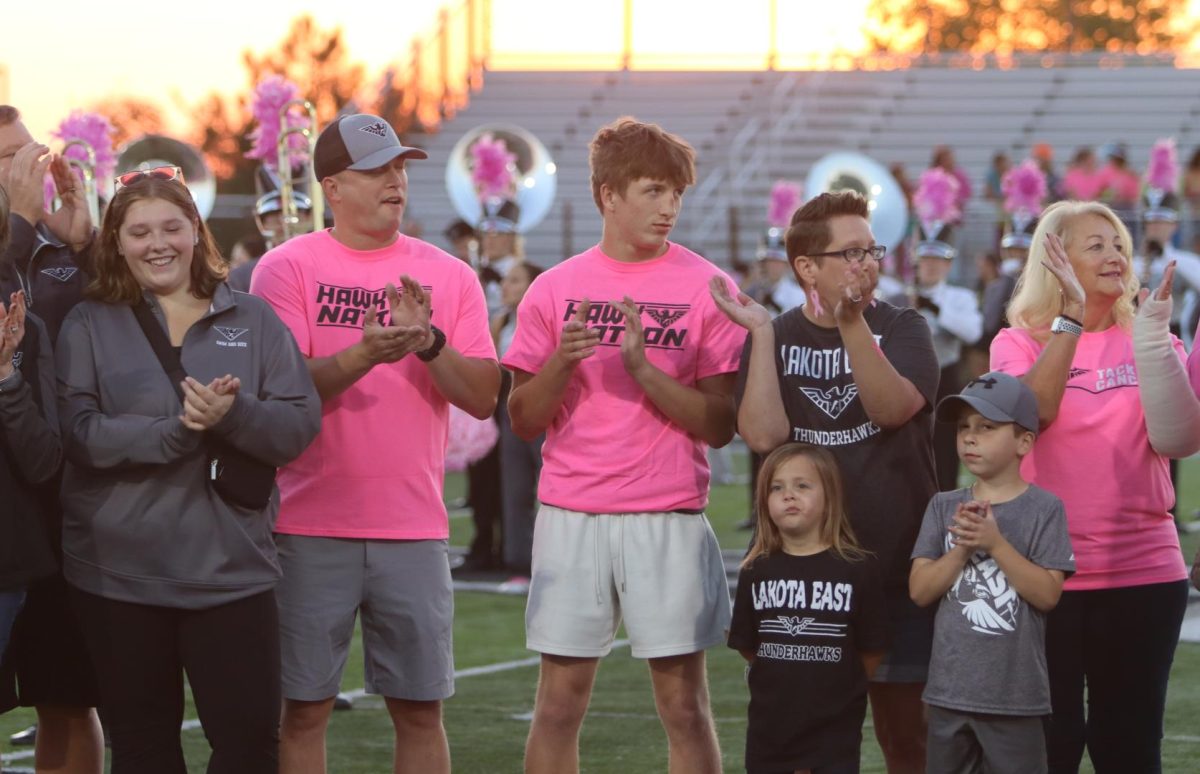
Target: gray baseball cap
(998, 396)
(359, 142)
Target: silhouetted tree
(1007, 26)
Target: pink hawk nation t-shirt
(376, 468)
(1096, 456)
(609, 449)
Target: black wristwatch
(435, 349)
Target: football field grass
(488, 718)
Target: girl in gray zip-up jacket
(155, 555)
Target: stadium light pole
(627, 48)
(773, 42)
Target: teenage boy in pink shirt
(623, 360)
(362, 526)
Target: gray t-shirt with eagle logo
(989, 651)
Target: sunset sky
(152, 50)
(86, 51)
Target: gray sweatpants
(978, 743)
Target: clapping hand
(12, 331)
(857, 291)
(975, 527)
(578, 341)
(1059, 265)
(633, 341)
(71, 222)
(206, 405)
(743, 310)
(407, 330)
(26, 181)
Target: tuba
(535, 175)
(156, 150)
(287, 179)
(845, 170)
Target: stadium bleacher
(752, 128)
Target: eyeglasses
(856, 254)
(158, 173)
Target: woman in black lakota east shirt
(858, 377)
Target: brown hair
(9, 114)
(113, 283)
(628, 150)
(809, 230)
(835, 524)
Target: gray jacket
(140, 522)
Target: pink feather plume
(494, 167)
(469, 439)
(96, 131)
(786, 197)
(1163, 171)
(1024, 188)
(936, 197)
(269, 98)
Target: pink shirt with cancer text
(1096, 456)
(376, 468)
(609, 449)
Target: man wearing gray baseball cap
(362, 528)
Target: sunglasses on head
(158, 173)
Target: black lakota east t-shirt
(808, 620)
(889, 474)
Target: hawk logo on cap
(379, 129)
(60, 273)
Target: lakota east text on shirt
(346, 307)
(826, 364)
(609, 322)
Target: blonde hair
(835, 524)
(1036, 300)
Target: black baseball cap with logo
(359, 142)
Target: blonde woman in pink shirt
(1103, 450)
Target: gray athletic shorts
(402, 588)
(978, 743)
(661, 572)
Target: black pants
(1120, 644)
(231, 656)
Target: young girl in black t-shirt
(809, 618)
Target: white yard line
(459, 674)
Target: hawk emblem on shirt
(665, 317)
(1077, 372)
(17, 358)
(60, 273)
(231, 334)
(834, 400)
(795, 626)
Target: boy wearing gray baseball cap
(995, 554)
